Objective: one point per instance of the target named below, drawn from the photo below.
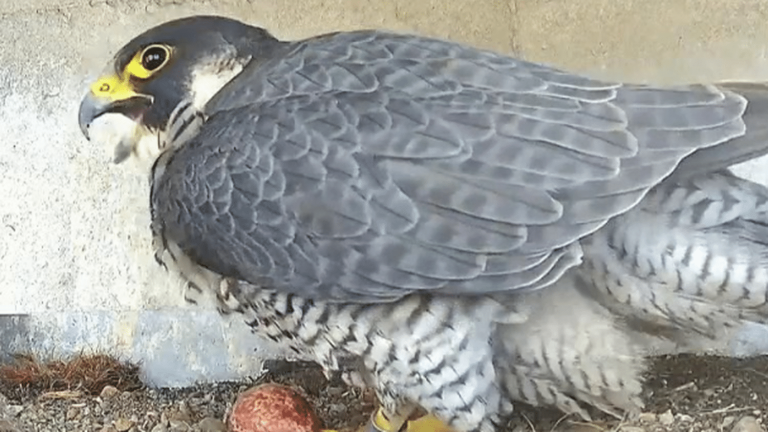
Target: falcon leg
(384, 421)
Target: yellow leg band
(381, 421)
(428, 423)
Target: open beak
(93, 106)
(132, 107)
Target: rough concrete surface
(74, 241)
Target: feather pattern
(406, 164)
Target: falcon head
(189, 59)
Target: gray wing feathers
(403, 164)
(475, 197)
(744, 146)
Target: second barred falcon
(463, 228)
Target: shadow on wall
(13, 335)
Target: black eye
(154, 57)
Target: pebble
(123, 424)
(667, 418)
(7, 426)
(183, 414)
(748, 424)
(108, 392)
(574, 427)
(647, 417)
(179, 426)
(160, 427)
(727, 422)
(14, 410)
(211, 424)
(72, 413)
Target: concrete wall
(76, 271)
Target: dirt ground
(685, 393)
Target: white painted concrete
(76, 270)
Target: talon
(428, 423)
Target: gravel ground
(685, 394)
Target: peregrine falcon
(470, 230)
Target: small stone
(628, 429)
(667, 418)
(108, 392)
(185, 412)
(123, 424)
(683, 418)
(182, 415)
(647, 417)
(160, 427)
(727, 422)
(335, 391)
(14, 410)
(72, 413)
(748, 424)
(108, 428)
(574, 427)
(179, 426)
(211, 424)
(7, 426)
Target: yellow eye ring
(148, 61)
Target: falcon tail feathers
(752, 144)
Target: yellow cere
(113, 87)
(116, 87)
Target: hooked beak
(132, 107)
(93, 106)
